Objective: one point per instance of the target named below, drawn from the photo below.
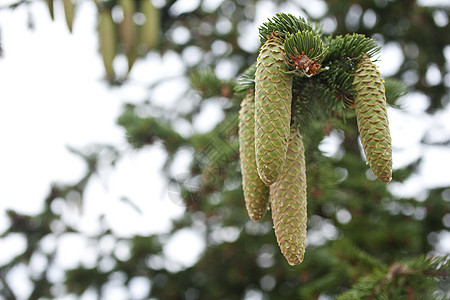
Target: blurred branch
(16, 4)
(6, 290)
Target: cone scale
(371, 115)
(256, 193)
(288, 202)
(273, 96)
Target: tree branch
(394, 270)
(6, 290)
(15, 4)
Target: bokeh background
(126, 185)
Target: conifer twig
(394, 270)
(398, 269)
(7, 291)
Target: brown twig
(397, 269)
(15, 4)
(394, 270)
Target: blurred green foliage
(363, 241)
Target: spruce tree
(363, 241)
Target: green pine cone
(288, 202)
(371, 114)
(256, 193)
(273, 97)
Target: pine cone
(371, 114)
(288, 202)
(273, 97)
(256, 193)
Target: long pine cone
(371, 114)
(288, 202)
(273, 97)
(256, 193)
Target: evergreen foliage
(307, 43)
(364, 241)
(283, 25)
(350, 46)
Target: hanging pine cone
(288, 202)
(273, 98)
(256, 193)
(371, 114)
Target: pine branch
(143, 131)
(283, 25)
(6, 289)
(330, 83)
(307, 43)
(347, 251)
(246, 81)
(394, 270)
(15, 5)
(418, 280)
(350, 46)
(394, 90)
(207, 84)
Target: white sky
(52, 95)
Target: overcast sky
(52, 96)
